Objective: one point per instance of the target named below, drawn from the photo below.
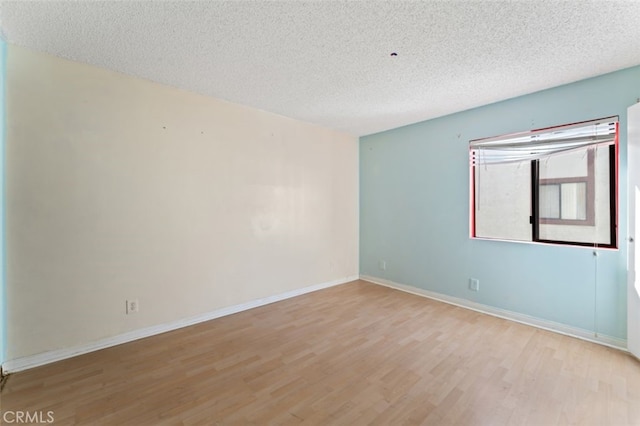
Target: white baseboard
(27, 362)
(613, 342)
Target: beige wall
(121, 188)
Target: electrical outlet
(132, 306)
(382, 265)
(474, 284)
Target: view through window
(555, 185)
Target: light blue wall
(414, 212)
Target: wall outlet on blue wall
(474, 284)
(382, 265)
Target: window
(555, 185)
(566, 196)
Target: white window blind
(537, 144)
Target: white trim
(27, 362)
(556, 327)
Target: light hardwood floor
(354, 354)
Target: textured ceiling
(329, 62)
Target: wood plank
(351, 354)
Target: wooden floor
(354, 354)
